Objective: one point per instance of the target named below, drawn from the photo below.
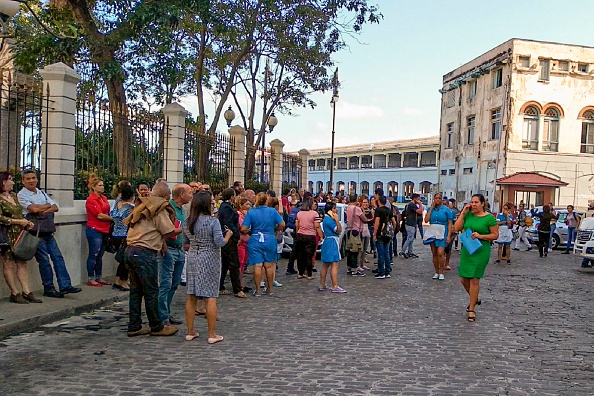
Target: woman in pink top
(307, 226)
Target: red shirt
(97, 204)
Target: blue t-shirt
(329, 226)
(441, 215)
(262, 219)
(502, 217)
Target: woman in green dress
(472, 267)
(11, 219)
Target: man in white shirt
(37, 205)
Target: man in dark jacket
(229, 219)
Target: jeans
(383, 257)
(230, 262)
(393, 245)
(170, 269)
(48, 248)
(144, 272)
(570, 237)
(96, 250)
(410, 238)
(420, 225)
(553, 228)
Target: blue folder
(471, 245)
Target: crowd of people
(163, 238)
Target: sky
(391, 76)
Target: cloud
(412, 111)
(346, 110)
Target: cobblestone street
(407, 335)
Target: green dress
(474, 266)
(9, 211)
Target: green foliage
(256, 186)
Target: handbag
(353, 242)
(43, 222)
(25, 246)
(120, 255)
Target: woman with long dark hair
(12, 223)
(484, 227)
(203, 269)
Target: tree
(141, 48)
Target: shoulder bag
(25, 245)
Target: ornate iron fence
(22, 104)
(98, 128)
(208, 158)
(291, 171)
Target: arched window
(365, 187)
(320, 186)
(392, 189)
(425, 188)
(588, 133)
(551, 130)
(340, 186)
(352, 187)
(409, 188)
(530, 131)
(378, 184)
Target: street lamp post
(333, 102)
(272, 122)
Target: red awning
(530, 179)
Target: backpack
(387, 231)
(292, 217)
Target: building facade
(517, 123)
(400, 167)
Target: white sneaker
(441, 277)
(436, 276)
(262, 284)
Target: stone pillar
(276, 166)
(58, 134)
(237, 172)
(303, 178)
(173, 143)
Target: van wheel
(343, 247)
(555, 242)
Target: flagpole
(333, 104)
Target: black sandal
(478, 302)
(471, 318)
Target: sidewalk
(19, 318)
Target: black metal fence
(116, 143)
(22, 104)
(208, 158)
(291, 171)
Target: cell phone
(226, 228)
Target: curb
(32, 324)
